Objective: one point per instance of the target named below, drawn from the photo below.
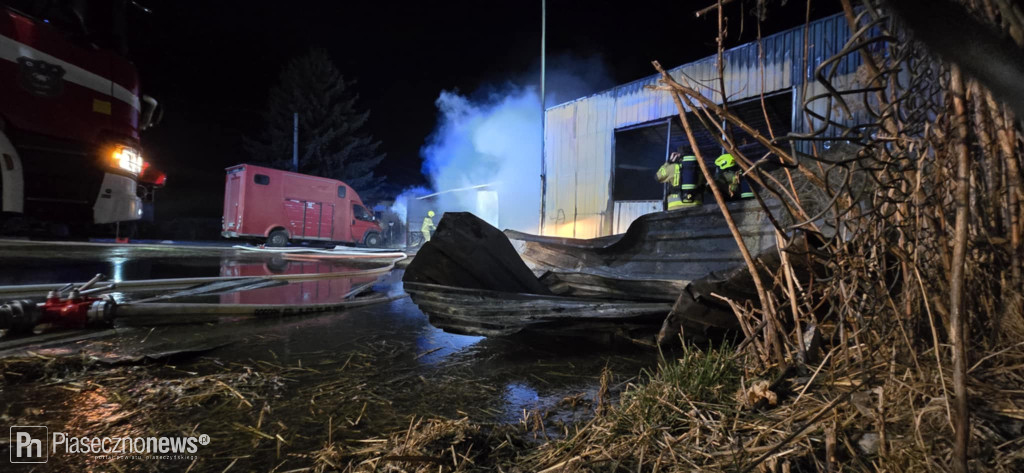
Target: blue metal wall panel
(579, 141)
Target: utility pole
(543, 118)
(295, 142)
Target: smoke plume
(493, 137)
(496, 141)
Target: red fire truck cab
(70, 114)
(278, 206)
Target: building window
(261, 179)
(341, 191)
(639, 152)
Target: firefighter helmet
(430, 213)
(725, 161)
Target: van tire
(372, 240)
(277, 238)
(277, 264)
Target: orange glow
(126, 159)
(589, 227)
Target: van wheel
(277, 264)
(372, 240)
(277, 238)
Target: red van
(280, 206)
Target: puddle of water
(321, 291)
(387, 357)
(523, 373)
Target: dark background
(211, 64)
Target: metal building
(601, 152)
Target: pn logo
(29, 444)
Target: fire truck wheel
(372, 240)
(277, 238)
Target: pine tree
(331, 141)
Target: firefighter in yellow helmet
(428, 226)
(684, 181)
(727, 177)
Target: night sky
(211, 64)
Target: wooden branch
(766, 307)
(957, 320)
(1005, 137)
(708, 9)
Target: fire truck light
(127, 159)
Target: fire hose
(151, 309)
(77, 308)
(27, 290)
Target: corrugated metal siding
(579, 138)
(594, 124)
(560, 164)
(628, 210)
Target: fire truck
(71, 113)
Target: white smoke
(492, 141)
(401, 205)
(495, 138)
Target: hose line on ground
(30, 290)
(255, 310)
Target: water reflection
(321, 291)
(434, 345)
(36, 263)
(92, 406)
(117, 263)
(520, 396)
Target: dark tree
(331, 143)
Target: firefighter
(669, 173)
(428, 226)
(680, 173)
(727, 177)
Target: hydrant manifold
(74, 312)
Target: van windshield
(360, 212)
